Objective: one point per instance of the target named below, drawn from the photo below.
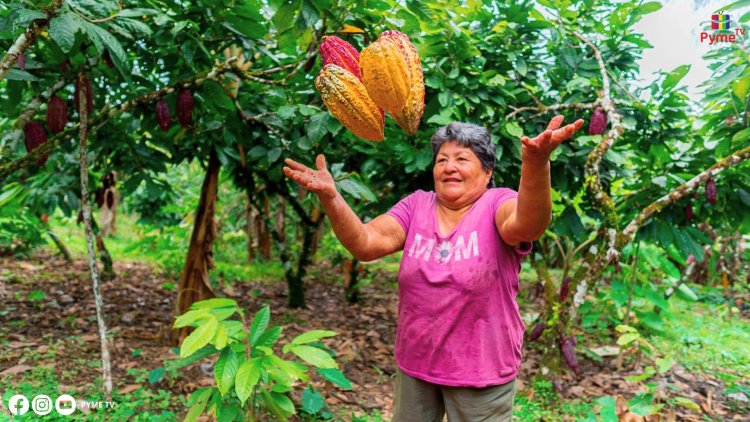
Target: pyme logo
(721, 23)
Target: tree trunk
(86, 207)
(264, 237)
(249, 232)
(352, 269)
(194, 282)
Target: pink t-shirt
(458, 321)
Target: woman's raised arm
(379, 237)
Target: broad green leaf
(136, 12)
(675, 76)
(312, 336)
(19, 75)
(356, 189)
(647, 373)
(686, 292)
(312, 401)
(283, 402)
(314, 356)
(317, 126)
(259, 324)
(197, 403)
(649, 7)
(174, 364)
(686, 402)
(190, 318)
(288, 368)
(247, 377)
(268, 338)
(225, 370)
(741, 136)
(156, 375)
(103, 40)
(335, 376)
(63, 29)
(513, 129)
(23, 17)
(217, 302)
(221, 338)
(200, 337)
(627, 338)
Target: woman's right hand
(317, 181)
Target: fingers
(320, 161)
(555, 122)
(295, 165)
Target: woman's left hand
(537, 150)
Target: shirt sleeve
(500, 195)
(403, 210)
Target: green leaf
(103, 40)
(335, 376)
(688, 245)
(217, 302)
(156, 375)
(314, 356)
(221, 338)
(627, 338)
(137, 12)
(175, 364)
(19, 75)
(356, 189)
(284, 16)
(268, 338)
(283, 402)
(273, 154)
(190, 318)
(650, 7)
(63, 30)
(291, 371)
(312, 401)
(259, 324)
(312, 336)
(686, 402)
(513, 129)
(317, 126)
(685, 292)
(741, 136)
(647, 373)
(247, 377)
(200, 337)
(675, 76)
(225, 370)
(25, 16)
(197, 403)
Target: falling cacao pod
(34, 137)
(689, 212)
(21, 61)
(162, 115)
(347, 99)
(711, 191)
(185, 105)
(409, 117)
(108, 59)
(598, 122)
(89, 95)
(567, 345)
(57, 114)
(537, 331)
(334, 50)
(564, 287)
(385, 74)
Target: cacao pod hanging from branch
(57, 114)
(537, 331)
(598, 122)
(567, 345)
(34, 137)
(162, 114)
(334, 50)
(347, 99)
(711, 191)
(185, 104)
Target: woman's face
(458, 175)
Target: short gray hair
(466, 135)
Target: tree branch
(28, 37)
(546, 109)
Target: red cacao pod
(690, 259)
(99, 197)
(21, 61)
(108, 59)
(564, 287)
(185, 105)
(537, 331)
(598, 122)
(89, 95)
(334, 50)
(34, 137)
(711, 191)
(689, 212)
(162, 115)
(567, 345)
(110, 199)
(57, 114)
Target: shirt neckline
(436, 223)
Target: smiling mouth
(452, 179)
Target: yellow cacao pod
(409, 117)
(385, 75)
(347, 99)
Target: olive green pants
(416, 400)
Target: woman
(459, 335)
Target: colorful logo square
(720, 21)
